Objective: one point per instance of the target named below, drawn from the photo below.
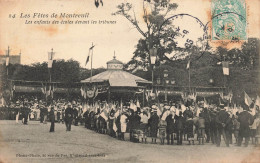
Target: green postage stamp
(229, 20)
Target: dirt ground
(34, 143)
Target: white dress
(123, 123)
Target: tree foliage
(155, 12)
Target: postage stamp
(229, 20)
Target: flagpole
(7, 66)
(91, 62)
(189, 74)
(50, 67)
(224, 74)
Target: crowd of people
(168, 123)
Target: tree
(155, 12)
(245, 58)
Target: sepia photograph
(129, 81)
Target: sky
(74, 40)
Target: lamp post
(166, 82)
(153, 54)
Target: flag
(87, 60)
(50, 55)
(183, 108)
(43, 89)
(104, 114)
(7, 61)
(225, 68)
(12, 91)
(138, 104)
(91, 47)
(165, 114)
(248, 100)
(188, 65)
(96, 93)
(257, 101)
(50, 59)
(114, 127)
(205, 105)
(159, 112)
(82, 92)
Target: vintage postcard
(129, 81)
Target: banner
(225, 68)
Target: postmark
(228, 20)
(183, 32)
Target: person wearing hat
(222, 121)
(143, 125)
(257, 124)
(180, 121)
(45, 113)
(41, 112)
(153, 124)
(75, 114)
(52, 119)
(170, 128)
(68, 117)
(123, 124)
(17, 109)
(111, 121)
(245, 119)
(213, 125)
(26, 112)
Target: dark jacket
(180, 122)
(69, 114)
(153, 124)
(222, 119)
(170, 124)
(201, 123)
(51, 116)
(245, 119)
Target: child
(162, 130)
(236, 125)
(189, 128)
(201, 129)
(255, 129)
(144, 126)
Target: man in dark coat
(245, 119)
(153, 124)
(41, 113)
(111, 123)
(222, 121)
(45, 114)
(25, 112)
(68, 117)
(169, 128)
(133, 124)
(86, 117)
(75, 115)
(52, 119)
(118, 125)
(180, 127)
(213, 126)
